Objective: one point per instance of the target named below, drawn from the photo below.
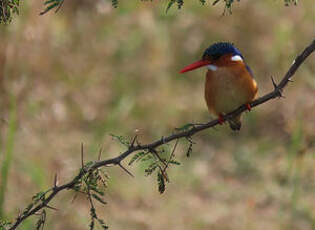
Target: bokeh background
(91, 70)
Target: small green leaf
(99, 199)
(88, 164)
(189, 150)
(49, 2)
(121, 139)
(115, 3)
(147, 157)
(38, 196)
(180, 3)
(16, 10)
(174, 162)
(4, 224)
(161, 182)
(92, 224)
(102, 223)
(135, 157)
(93, 213)
(52, 6)
(152, 167)
(96, 189)
(28, 208)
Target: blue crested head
(219, 49)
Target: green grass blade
(8, 154)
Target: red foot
(221, 119)
(249, 108)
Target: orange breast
(228, 87)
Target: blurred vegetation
(7, 9)
(10, 7)
(92, 70)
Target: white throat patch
(236, 58)
(212, 67)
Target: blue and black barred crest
(218, 49)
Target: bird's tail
(235, 123)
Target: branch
(90, 167)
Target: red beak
(195, 65)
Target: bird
(229, 81)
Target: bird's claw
(221, 119)
(249, 108)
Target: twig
(123, 168)
(152, 150)
(183, 134)
(171, 156)
(50, 207)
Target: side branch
(135, 146)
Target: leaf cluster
(4, 224)
(156, 161)
(10, 7)
(92, 184)
(7, 9)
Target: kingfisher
(229, 81)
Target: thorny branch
(135, 146)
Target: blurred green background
(91, 70)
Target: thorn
(293, 62)
(100, 153)
(55, 181)
(120, 165)
(19, 214)
(279, 94)
(133, 141)
(278, 91)
(172, 154)
(274, 83)
(290, 80)
(47, 206)
(82, 161)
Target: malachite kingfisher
(229, 81)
